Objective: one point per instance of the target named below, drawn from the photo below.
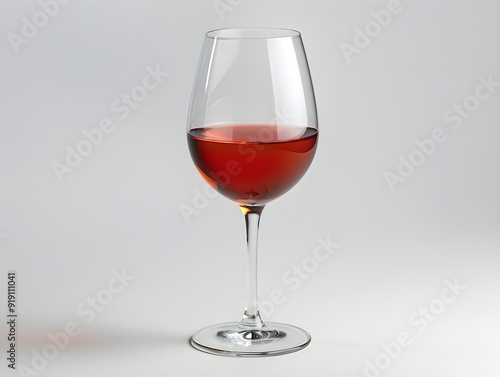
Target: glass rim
(252, 33)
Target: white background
(119, 208)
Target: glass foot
(233, 339)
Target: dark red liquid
(252, 163)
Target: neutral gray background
(120, 207)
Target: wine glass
(252, 133)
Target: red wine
(252, 163)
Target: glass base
(233, 339)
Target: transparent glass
(252, 134)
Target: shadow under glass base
(232, 339)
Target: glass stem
(251, 317)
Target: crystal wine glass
(252, 132)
